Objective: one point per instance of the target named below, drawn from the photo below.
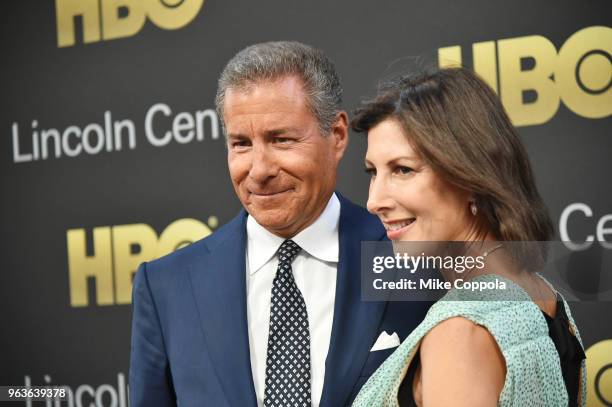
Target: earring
(473, 208)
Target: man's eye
(240, 143)
(282, 140)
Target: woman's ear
(473, 205)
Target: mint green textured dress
(533, 376)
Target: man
(267, 310)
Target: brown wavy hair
(458, 126)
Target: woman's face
(413, 203)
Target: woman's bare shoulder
(455, 355)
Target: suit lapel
(355, 322)
(219, 288)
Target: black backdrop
(77, 333)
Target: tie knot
(288, 250)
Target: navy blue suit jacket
(189, 330)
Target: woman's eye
(402, 170)
(370, 171)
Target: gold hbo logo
(532, 77)
(111, 19)
(115, 252)
(599, 374)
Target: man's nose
(379, 198)
(263, 165)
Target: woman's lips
(396, 229)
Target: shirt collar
(319, 240)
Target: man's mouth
(268, 194)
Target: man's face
(282, 168)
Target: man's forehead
(266, 106)
(285, 90)
(264, 124)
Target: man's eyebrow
(236, 135)
(279, 131)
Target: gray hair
(269, 61)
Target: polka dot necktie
(288, 359)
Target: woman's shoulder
(463, 341)
(502, 307)
(457, 350)
(508, 329)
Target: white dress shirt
(314, 271)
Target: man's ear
(340, 134)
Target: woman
(446, 164)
